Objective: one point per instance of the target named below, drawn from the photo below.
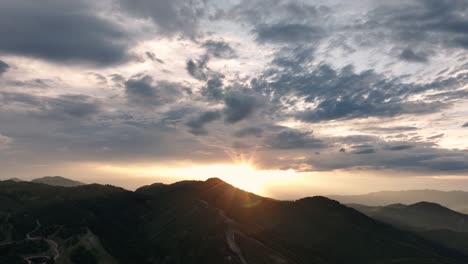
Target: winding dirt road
(52, 244)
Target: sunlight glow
(241, 175)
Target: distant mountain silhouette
(429, 220)
(57, 181)
(197, 222)
(422, 216)
(15, 179)
(456, 200)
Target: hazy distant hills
(422, 216)
(456, 200)
(196, 222)
(53, 181)
(432, 221)
(15, 180)
(57, 181)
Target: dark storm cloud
(288, 33)
(219, 49)
(61, 31)
(294, 139)
(465, 125)
(144, 91)
(171, 17)
(3, 67)
(197, 124)
(411, 56)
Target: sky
(280, 97)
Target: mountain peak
(215, 180)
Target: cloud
(249, 131)
(283, 22)
(436, 136)
(364, 151)
(395, 129)
(153, 57)
(465, 125)
(219, 49)
(287, 33)
(75, 106)
(400, 147)
(425, 24)
(171, 17)
(198, 68)
(410, 157)
(3, 67)
(411, 56)
(197, 125)
(68, 106)
(294, 139)
(214, 89)
(336, 94)
(144, 91)
(5, 141)
(65, 32)
(239, 106)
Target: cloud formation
(3, 67)
(65, 32)
(381, 85)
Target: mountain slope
(57, 181)
(455, 200)
(312, 230)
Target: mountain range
(197, 222)
(53, 180)
(456, 200)
(430, 220)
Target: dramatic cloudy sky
(281, 97)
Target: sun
(241, 175)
